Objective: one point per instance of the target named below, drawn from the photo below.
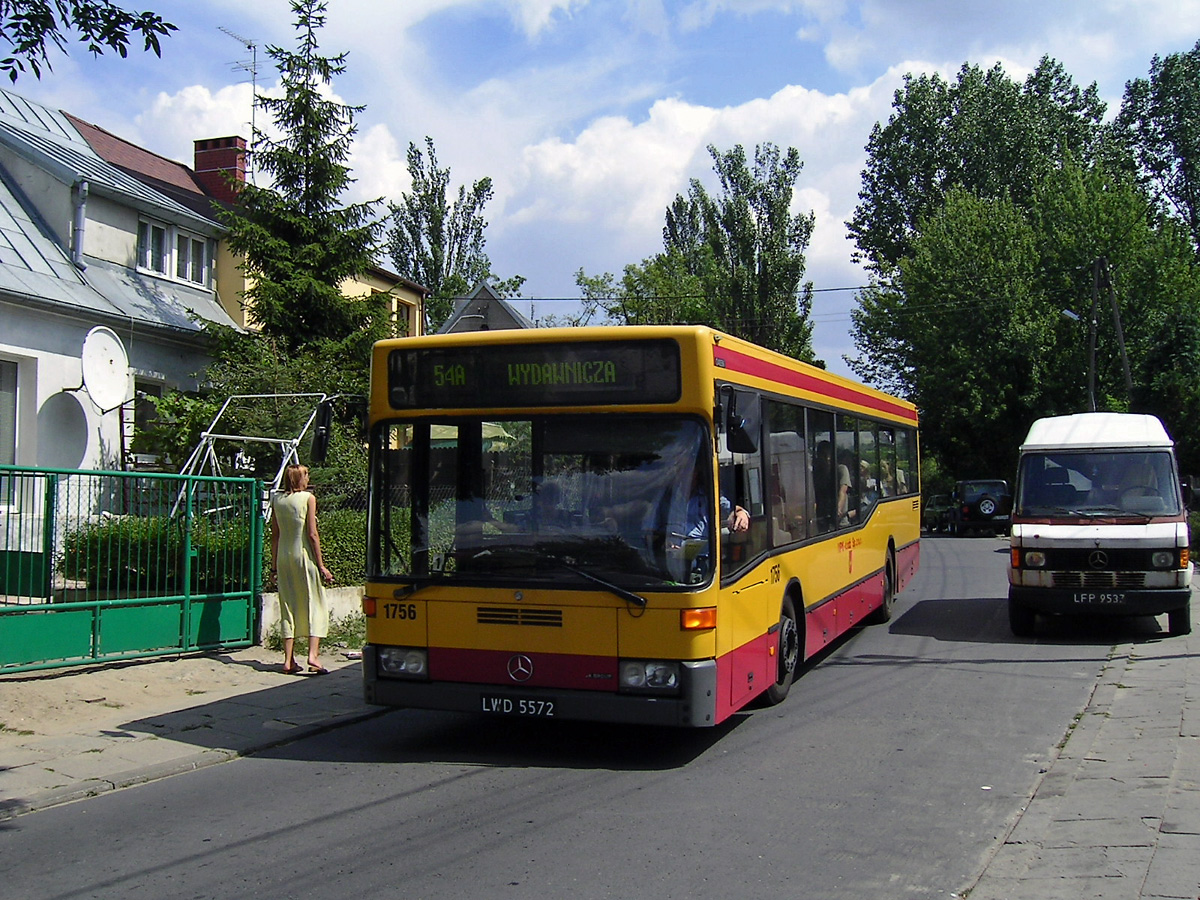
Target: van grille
(501, 615)
(1123, 580)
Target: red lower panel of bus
(847, 610)
(744, 674)
(741, 675)
(579, 673)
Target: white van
(1099, 523)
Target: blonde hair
(293, 477)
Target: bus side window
(820, 453)
(788, 487)
(740, 481)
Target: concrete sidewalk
(72, 733)
(1115, 815)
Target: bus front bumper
(693, 707)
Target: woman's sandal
(295, 669)
(317, 670)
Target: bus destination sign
(516, 375)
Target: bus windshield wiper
(628, 596)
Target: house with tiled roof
(99, 237)
(86, 246)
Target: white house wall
(58, 425)
(110, 231)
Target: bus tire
(1020, 618)
(1179, 621)
(883, 615)
(788, 656)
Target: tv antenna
(251, 66)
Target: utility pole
(1102, 276)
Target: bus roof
(1096, 430)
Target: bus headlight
(1035, 559)
(649, 675)
(1163, 559)
(403, 662)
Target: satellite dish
(105, 368)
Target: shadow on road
(985, 620)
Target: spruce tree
(297, 242)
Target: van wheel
(1179, 621)
(788, 655)
(1020, 619)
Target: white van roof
(1096, 430)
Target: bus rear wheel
(787, 656)
(883, 615)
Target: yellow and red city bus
(651, 524)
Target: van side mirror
(322, 424)
(743, 420)
(1189, 496)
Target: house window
(191, 258)
(152, 247)
(8, 412)
(167, 250)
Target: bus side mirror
(1189, 496)
(321, 428)
(743, 421)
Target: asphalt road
(899, 759)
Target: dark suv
(981, 505)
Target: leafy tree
(971, 325)
(1160, 123)
(734, 261)
(984, 133)
(440, 245)
(297, 243)
(27, 25)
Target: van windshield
(1096, 483)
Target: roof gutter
(79, 194)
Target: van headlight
(1035, 559)
(1163, 559)
(649, 675)
(403, 662)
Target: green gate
(102, 566)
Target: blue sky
(591, 115)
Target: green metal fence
(102, 566)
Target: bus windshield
(1098, 483)
(563, 500)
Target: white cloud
(194, 113)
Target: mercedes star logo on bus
(1097, 559)
(520, 667)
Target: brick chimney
(216, 160)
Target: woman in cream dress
(299, 568)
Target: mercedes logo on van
(520, 667)
(1098, 559)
